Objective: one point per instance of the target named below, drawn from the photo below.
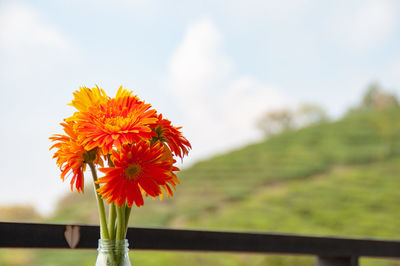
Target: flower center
(133, 171)
(117, 122)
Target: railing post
(337, 261)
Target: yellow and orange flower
(86, 98)
(172, 136)
(138, 168)
(71, 155)
(120, 120)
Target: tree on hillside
(310, 114)
(278, 121)
(275, 122)
(375, 98)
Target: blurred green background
(318, 177)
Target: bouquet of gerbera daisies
(137, 144)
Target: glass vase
(113, 253)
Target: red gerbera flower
(167, 156)
(172, 136)
(138, 168)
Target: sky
(212, 67)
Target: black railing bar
(31, 235)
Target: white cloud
(366, 26)
(21, 27)
(29, 45)
(219, 108)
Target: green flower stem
(111, 221)
(103, 223)
(120, 223)
(112, 213)
(123, 221)
(127, 214)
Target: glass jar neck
(106, 245)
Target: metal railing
(330, 251)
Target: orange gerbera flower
(71, 155)
(137, 168)
(171, 135)
(121, 120)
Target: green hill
(338, 178)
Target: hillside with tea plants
(334, 178)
